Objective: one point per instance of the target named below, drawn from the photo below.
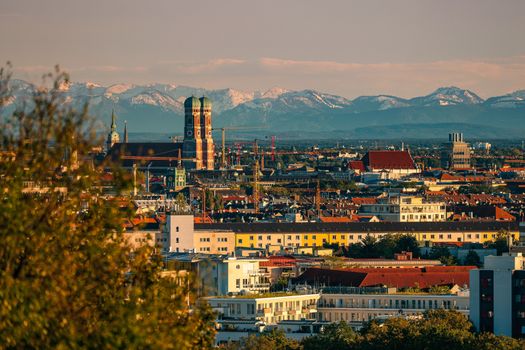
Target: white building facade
(405, 209)
(361, 308)
(498, 296)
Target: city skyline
(346, 48)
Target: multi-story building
(270, 308)
(360, 305)
(182, 237)
(241, 275)
(497, 300)
(456, 153)
(146, 232)
(219, 275)
(405, 209)
(242, 315)
(288, 235)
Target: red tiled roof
(388, 160)
(501, 214)
(275, 261)
(364, 200)
(335, 219)
(356, 165)
(399, 278)
(420, 280)
(202, 220)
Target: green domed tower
(208, 150)
(192, 145)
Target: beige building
(456, 153)
(405, 209)
(182, 237)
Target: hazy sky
(351, 48)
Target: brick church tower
(207, 140)
(192, 144)
(198, 141)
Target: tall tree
(67, 279)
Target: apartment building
(183, 238)
(497, 300)
(360, 305)
(287, 235)
(405, 209)
(270, 308)
(241, 316)
(220, 275)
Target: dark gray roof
(361, 227)
(153, 149)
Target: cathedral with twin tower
(198, 141)
(196, 149)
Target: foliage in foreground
(67, 280)
(436, 330)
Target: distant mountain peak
(446, 96)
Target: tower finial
(113, 120)
(125, 131)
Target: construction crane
(223, 138)
(255, 178)
(318, 198)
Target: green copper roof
(205, 102)
(192, 102)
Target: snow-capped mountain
(159, 108)
(447, 96)
(512, 100)
(378, 103)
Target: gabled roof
(399, 278)
(364, 200)
(356, 165)
(388, 160)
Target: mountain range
(158, 108)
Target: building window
(177, 229)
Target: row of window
(391, 304)
(208, 249)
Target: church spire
(113, 136)
(125, 131)
(113, 121)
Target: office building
(456, 153)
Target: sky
(349, 47)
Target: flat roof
(361, 227)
